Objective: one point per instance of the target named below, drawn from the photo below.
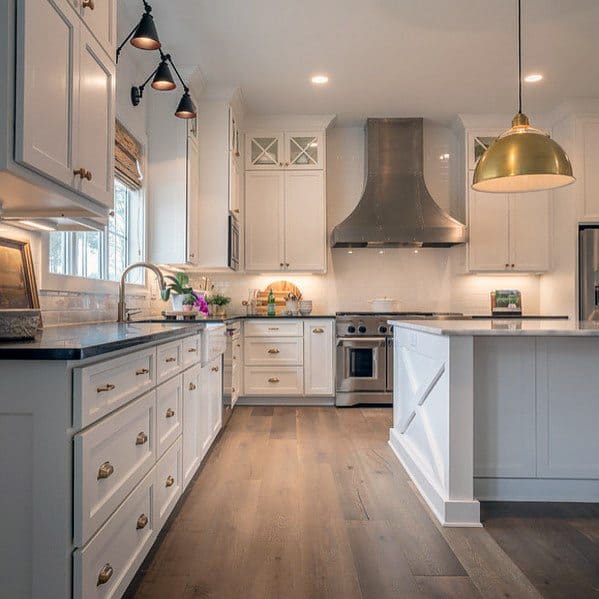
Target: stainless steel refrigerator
(588, 275)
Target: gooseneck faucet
(122, 308)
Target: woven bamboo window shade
(128, 157)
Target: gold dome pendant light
(522, 158)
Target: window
(104, 255)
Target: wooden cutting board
(280, 290)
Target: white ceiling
(431, 58)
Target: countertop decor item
(506, 301)
(217, 302)
(19, 324)
(177, 289)
(18, 289)
(523, 158)
(281, 290)
(305, 307)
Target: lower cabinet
(192, 422)
(318, 357)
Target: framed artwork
(18, 289)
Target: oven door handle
(361, 342)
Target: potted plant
(218, 303)
(177, 289)
(189, 302)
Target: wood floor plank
(447, 587)
(283, 425)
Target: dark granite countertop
(237, 317)
(77, 342)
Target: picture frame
(18, 288)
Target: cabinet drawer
(191, 350)
(168, 480)
(107, 564)
(274, 328)
(265, 380)
(283, 351)
(169, 402)
(103, 387)
(169, 360)
(111, 457)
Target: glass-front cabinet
(302, 150)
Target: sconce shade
(186, 108)
(163, 79)
(146, 36)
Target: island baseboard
(449, 512)
(536, 489)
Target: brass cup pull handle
(215, 369)
(105, 470)
(170, 481)
(88, 4)
(170, 413)
(107, 387)
(192, 350)
(273, 328)
(171, 360)
(274, 350)
(142, 522)
(105, 575)
(273, 379)
(317, 331)
(141, 371)
(192, 387)
(141, 439)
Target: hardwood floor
(311, 503)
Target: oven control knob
(361, 329)
(351, 329)
(382, 329)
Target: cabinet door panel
(318, 357)
(529, 231)
(100, 17)
(304, 150)
(264, 221)
(193, 200)
(305, 221)
(47, 71)
(96, 120)
(192, 444)
(488, 247)
(264, 150)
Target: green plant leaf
(182, 279)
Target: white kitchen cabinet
(264, 221)
(318, 357)
(285, 221)
(509, 232)
(295, 150)
(192, 424)
(71, 139)
(100, 18)
(264, 150)
(96, 122)
(215, 392)
(173, 165)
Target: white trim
(536, 489)
(455, 513)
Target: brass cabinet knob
(83, 173)
(513, 265)
(273, 379)
(171, 360)
(281, 264)
(237, 154)
(507, 265)
(317, 331)
(286, 164)
(170, 413)
(287, 264)
(170, 481)
(141, 438)
(105, 470)
(105, 575)
(104, 388)
(142, 522)
(280, 164)
(192, 350)
(274, 350)
(141, 371)
(192, 387)
(88, 4)
(215, 369)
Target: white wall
(429, 279)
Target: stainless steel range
(365, 355)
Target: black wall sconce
(145, 37)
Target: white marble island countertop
(502, 327)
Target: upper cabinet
(268, 150)
(60, 80)
(507, 232)
(100, 18)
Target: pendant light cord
(519, 56)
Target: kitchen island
(501, 409)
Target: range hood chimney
(396, 209)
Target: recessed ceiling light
(320, 79)
(533, 78)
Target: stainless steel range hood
(396, 209)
